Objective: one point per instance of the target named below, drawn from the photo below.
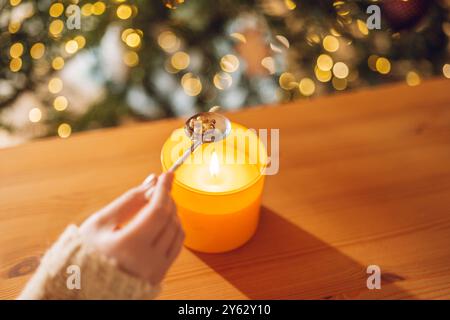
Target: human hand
(143, 236)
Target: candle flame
(214, 165)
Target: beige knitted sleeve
(72, 270)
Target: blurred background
(125, 61)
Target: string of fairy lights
(330, 68)
(70, 47)
(326, 69)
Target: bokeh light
(192, 86)
(64, 130)
(56, 27)
(306, 86)
(58, 63)
(222, 80)
(133, 40)
(87, 9)
(239, 37)
(16, 50)
(35, 115)
(362, 27)
(81, 41)
(340, 70)
(168, 41)
(71, 46)
(321, 75)
(330, 43)
(269, 64)
(56, 10)
(287, 81)
(131, 58)
(383, 65)
(372, 62)
(412, 78)
(229, 63)
(14, 27)
(60, 103)
(446, 70)
(15, 64)
(180, 60)
(324, 62)
(55, 85)
(98, 8)
(339, 84)
(124, 11)
(290, 4)
(37, 50)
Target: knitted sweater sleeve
(72, 270)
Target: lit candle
(218, 189)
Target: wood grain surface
(364, 179)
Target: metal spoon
(193, 128)
(221, 130)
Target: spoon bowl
(217, 127)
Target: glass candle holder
(218, 189)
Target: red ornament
(402, 14)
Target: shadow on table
(282, 261)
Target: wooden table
(364, 179)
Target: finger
(150, 183)
(150, 220)
(159, 224)
(150, 180)
(155, 215)
(123, 207)
(160, 195)
(176, 246)
(149, 193)
(166, 235)
(171, 219)
(165, 180)
(178, 228)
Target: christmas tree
(95, 64)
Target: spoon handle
(151, 179)
(185, 155)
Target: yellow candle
(218, 189)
